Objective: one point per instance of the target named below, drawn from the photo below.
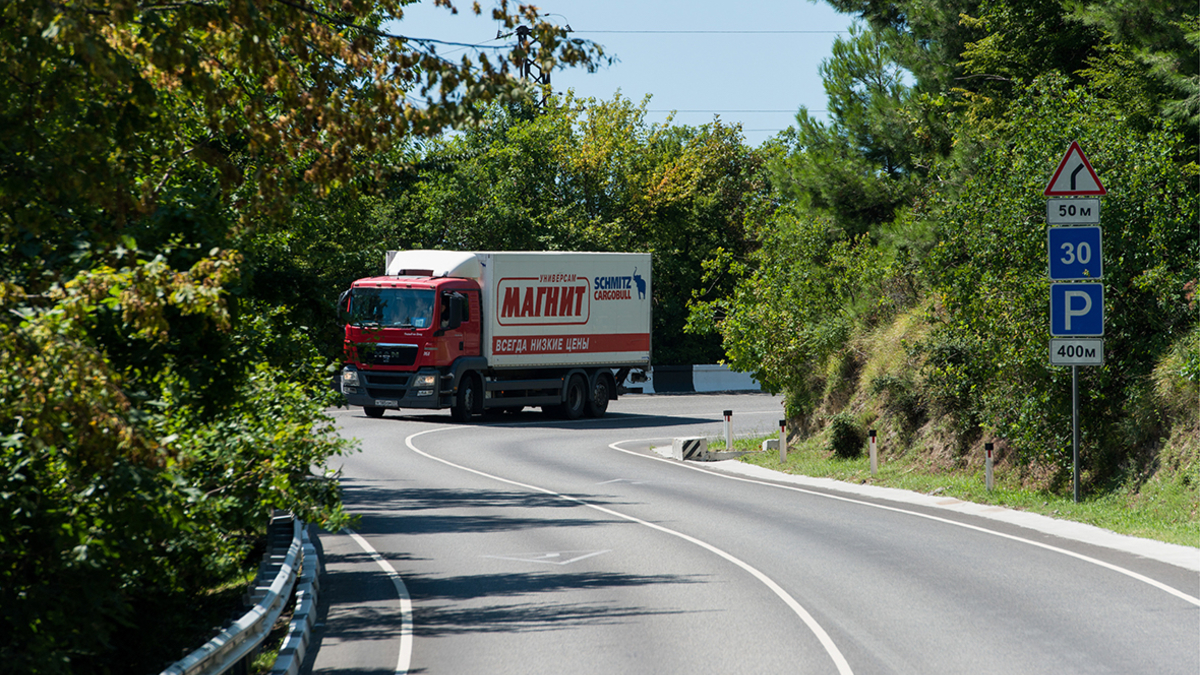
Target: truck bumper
(390, 389)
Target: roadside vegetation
(903, 287)
(1160, 504)
(186, 188)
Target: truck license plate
(386, 403)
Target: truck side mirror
(343, 312)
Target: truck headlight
(350, 378)
(424, 381)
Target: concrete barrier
(695, 449)
(689, 448)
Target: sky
(753, 62)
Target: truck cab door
(472, 326)
(459, 325)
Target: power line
(714, 32)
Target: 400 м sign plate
(1076, 351)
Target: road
(523, 544)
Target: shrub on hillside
(845, 436)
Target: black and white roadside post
(987, 467)
(728, 429)
(1074, 242)
(783, 442)
(874, 454)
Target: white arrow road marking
(549, 558)
(623, 480)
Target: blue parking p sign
(1076, 310)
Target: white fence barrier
(700, 378)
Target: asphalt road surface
(525, 544)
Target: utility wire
(713, 32)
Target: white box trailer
(507, 328)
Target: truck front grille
(388, 355)
(386, 380)
(385, 393)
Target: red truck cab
(402, 334)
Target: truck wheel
(465, 400)
(573, 408)
(598, 401)
(372, 411)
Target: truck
(480, 332)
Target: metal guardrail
(291, 654)
(298, 568)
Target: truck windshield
(391, 307)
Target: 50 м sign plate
(1077, 211)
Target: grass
(1164, 510)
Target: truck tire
(464, 401)
(372, 411)
(597, 403)
(576, 403)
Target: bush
(845, 436)
(900, 401)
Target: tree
(153, 406)
(589, 175)
(988, 272)
(867, 161)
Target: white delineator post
(988, 466)
(728, 430)
(874, 454)
(782, 441)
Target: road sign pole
(1075, 255)
(1075, 430)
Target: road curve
(527, 545)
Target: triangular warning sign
(1075, 176)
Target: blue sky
(753, 62)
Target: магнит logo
(553, 299)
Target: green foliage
(587, 175)
(901, 400)
(797, 300)
(1162, 38)
(866, 162)
(1177, 374)
(102, 482)
(945, 121)
(987, 356)
(159, 390)
(846, 437)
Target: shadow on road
(387, 509)
(539, 420)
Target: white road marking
(831, 649)
(1116, 568)
(406, 618)
(555, 558)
